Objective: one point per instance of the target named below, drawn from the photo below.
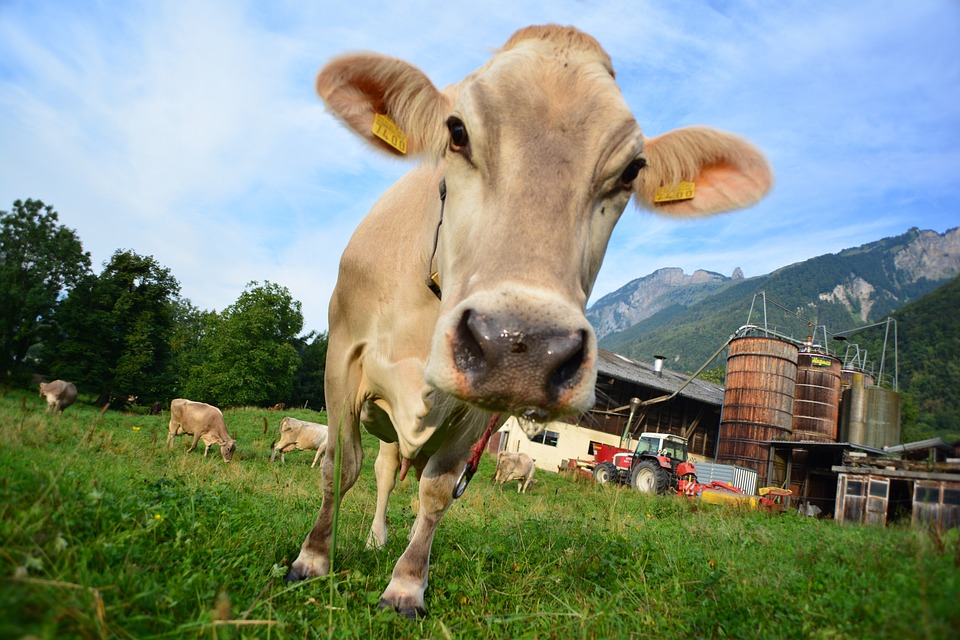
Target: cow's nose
(506, 361)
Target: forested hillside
(928, 334)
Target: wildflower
(136, 428)
(157, 516)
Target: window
(926, 494)
(854, 487)
(878, 489)
(546, 437)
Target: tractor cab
(662, 445)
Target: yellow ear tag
(388, 131)
(682, 191)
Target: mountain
(838, 291)
(643, 297)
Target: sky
(190, 130)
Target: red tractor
(655, 466)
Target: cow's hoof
(411, 613)
(295, 575)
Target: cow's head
(540, 155)
(227, 449)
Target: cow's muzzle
(506, 365)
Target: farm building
(874, 490)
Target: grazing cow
(528, 164)
(60, 394)
(203, 422)
(300, 435)
(155, 409)
(514, 466)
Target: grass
(104, 533)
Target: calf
(203, 422)
(300, 435)
(514, 466)
(60, 394)
(527, 165)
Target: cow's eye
(632, 171)
(458, 133)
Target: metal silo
(883, 417)
(816, 403)
(757, 401)
(871, 415)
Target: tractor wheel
(649, 477)
(605, 473)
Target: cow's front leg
(314, 558)
(406, 589)
(193, 446)
(388, 461)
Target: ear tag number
(675, 192)
(388, 131)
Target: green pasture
(104, 533)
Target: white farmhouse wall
(573, 441)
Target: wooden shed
(875, 490)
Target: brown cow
(60, 394)
(535, 155)
(203, 422)
(514, 466)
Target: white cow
(528, 164)
(514, 466)
(59, 394)
(300, 435)
(203, 422)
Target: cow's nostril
(468, 351)
(571, 351)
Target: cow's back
(187, 416)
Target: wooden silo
(757, 401)
(816, 403)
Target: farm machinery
(659, 463)
(653, 467)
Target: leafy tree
(308, 381)
(39, 261)
(191, 326)
(247, 355)
(115, 330)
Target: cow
(203, 422)
(300, 435)
(462, 293)
(60, 394)
(514, 466)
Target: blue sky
(190, 131)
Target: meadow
(105, 533)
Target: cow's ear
(726, 172)
(360, 87)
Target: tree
(39, 261)
(115, 331)
(308, 381)
(247, 353)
